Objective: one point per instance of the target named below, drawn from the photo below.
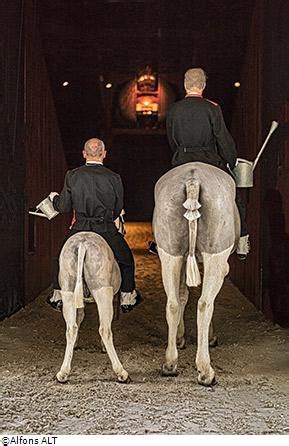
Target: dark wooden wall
(247, 132)
(45, 161)
(264, 96)
(275, 166)
(31, 157)
(11, 157)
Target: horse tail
(193, 277)
(78, 290)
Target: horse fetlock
(103, 348)
(213, 341)
(181, 343)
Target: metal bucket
(243, 173)
(45, 209)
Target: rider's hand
(232, 167)
(52, 195)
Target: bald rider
(95, 194)
(196, 131)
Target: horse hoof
(213, 342)
(169, 370)
(181, 343)
(207, 380)
(61, 378)
(124, 378)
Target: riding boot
(54, 299)
(243, 247)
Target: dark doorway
(140, 159)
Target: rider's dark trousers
(121, 252)
(240, 202)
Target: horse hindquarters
(90, 253)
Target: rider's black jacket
(95, 193)
(197, 132)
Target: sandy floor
(251, 363)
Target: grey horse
(195, 219)
(87, 254)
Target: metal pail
(243, 173)
(46, 208)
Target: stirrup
(152, 247)
(243, 247)
(129, 300)
(54, 300)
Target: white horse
(195, 217)
(88, 254)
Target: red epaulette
(73, 219)
(212, 102)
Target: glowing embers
(147, 98)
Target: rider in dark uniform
(95, 194)
(196, 131)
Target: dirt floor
(251, 364)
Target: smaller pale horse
(87, 255)
(195, 217)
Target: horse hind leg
(104, 301)
(213, 339)
(171, 271)
(69, 314)
(215, 269)
(116, 310)
(183, 296)
(79, 318)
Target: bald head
(94, 149)
(195, 79)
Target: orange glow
(146, 105)
(146, 77)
